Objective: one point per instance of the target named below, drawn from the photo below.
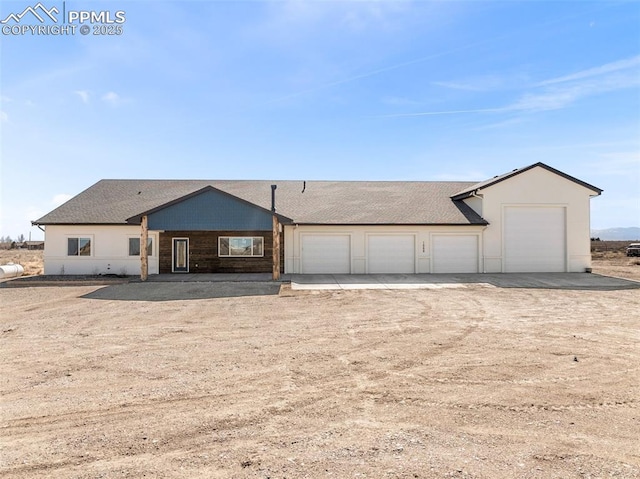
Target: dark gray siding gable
(210, 210)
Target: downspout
(484, 270)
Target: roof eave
(462, 196)
(71, 223)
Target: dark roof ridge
(205, 180)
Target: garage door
(534, 239)
(455, 253)
(326, 254)
(391, 254)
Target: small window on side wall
(134, 246)
(78, 246)
(241, 246)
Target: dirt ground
(250, 382)
(31, 261)
(614, 262)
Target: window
(78, 246)
(134, 246)
(240, 246)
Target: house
(33, 245)
(532, 219)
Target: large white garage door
(455, 253)
(534, 239)
(330, 254)
(391, 254)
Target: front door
(180, 262)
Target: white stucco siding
(360, 243)
(109, 250)
(541, 188)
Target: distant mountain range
(617, 234)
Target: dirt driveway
(461, 382)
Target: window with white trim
(134, 246)
(78, 246)
(240, 246)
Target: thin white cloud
(398, 101)
(378, 71)
(111, 97)
(3, 117)
(561, 92)
(33, 213)
(5, 99)
(84, 96)
(555, 100)
(458, 86)
(485, 82)
(443, 112)
(625, 64)
(355, 15)
(617, 163)
(60, 198)
(501, 124)
(376, 13)
(560, 96)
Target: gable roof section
(207, 189)
(323, 202)
(467, 192)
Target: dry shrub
(31, 261)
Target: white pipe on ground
(11, 270)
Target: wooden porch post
(276, 248)
(144, 238)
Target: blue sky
(403, 90)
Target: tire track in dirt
(480, 382)
(187, 438)
(579, 406)
(120, 411)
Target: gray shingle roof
(323, 202)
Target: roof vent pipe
(273, 198)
